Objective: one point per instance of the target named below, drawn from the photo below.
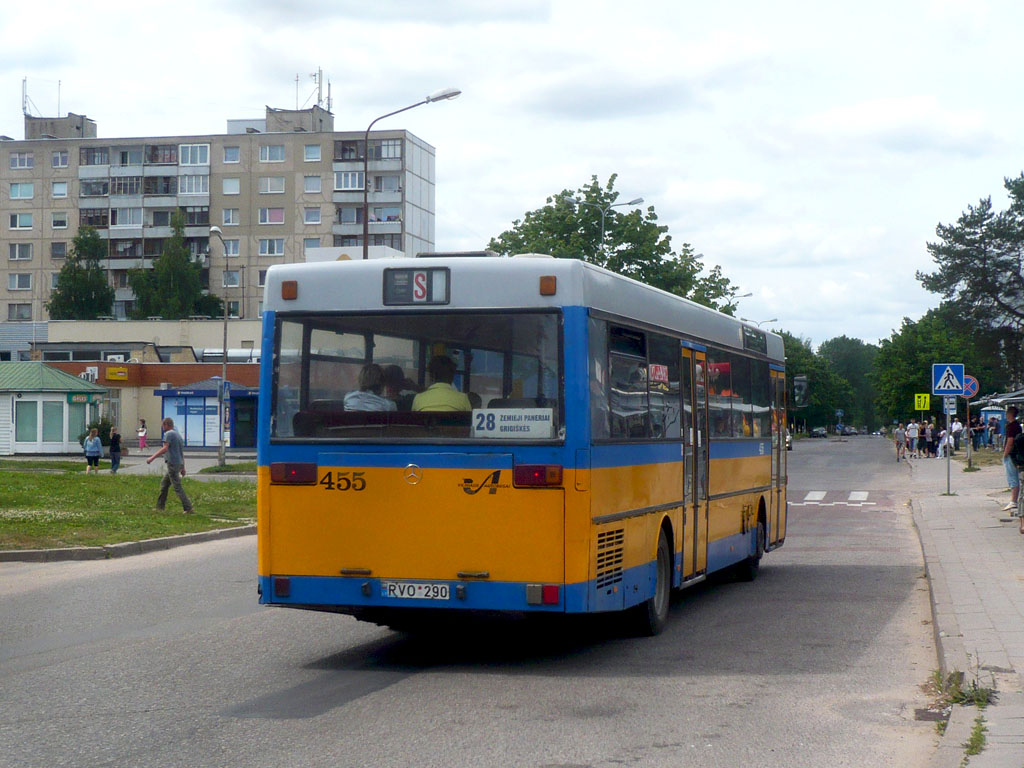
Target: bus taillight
(537, 476)
(293, 473)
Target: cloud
(604, 96)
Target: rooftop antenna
(26, 101)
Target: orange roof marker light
(548, 285)
(290, 290)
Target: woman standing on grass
(93, 451)
(115, 450)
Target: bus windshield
(479, 376)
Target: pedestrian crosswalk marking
(817, 499)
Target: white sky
(807, 149)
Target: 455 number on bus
(343, 481)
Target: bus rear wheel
(749, 568)
(651, 616)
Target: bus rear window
(466, 375)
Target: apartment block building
(276, 187)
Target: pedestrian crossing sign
(947, 378)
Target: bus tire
(749, 568)
(651, 616)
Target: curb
(125, 549)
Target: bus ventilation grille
(609, 557)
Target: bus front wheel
(652, 615)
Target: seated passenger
(441, 395)
(398, 388)
(368, 396)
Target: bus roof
(505, 283)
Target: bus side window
(598, 354)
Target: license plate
(408, 590)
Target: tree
(83, 291)
(635, 245)
(980, 261)
(827, 391)
(903, 365)
(854, 361)
(172, 289)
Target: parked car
(819, 432)
(848, 431)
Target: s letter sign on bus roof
(947, 378)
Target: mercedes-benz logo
(413, 474)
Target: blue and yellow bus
(523, 435)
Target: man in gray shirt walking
(174, 466)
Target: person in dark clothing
(115, 450)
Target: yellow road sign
(922, 402)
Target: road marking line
(858, 496)
(815, 495)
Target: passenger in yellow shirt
(441, 395)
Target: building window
(162, 154)
(58, 250)
(23, 191)
(386, 149)
(310, 215)
(197, 216)
(350, 215)
(21, 160)
(347, 241)
(311, 153)
(19, 281)
(391, 241)
(59, 189)
(232, 155)
(194, 154)
(259, 310)
(309, 242)
(126, 217)
(194, 185)
(312, 184)
(231, 278)
(232, 248)
(348, 149)
(348, 180)
(126, 185)
(20, 251)
(388, 183)
(231, 186)
(160, 185)
(161, 218)
(272, 153)
(262, 278)
(59, 159)
(59, 219)
(94, 188)
(386, 213)
(54, 279)
(234, 308)
(21, 221)
(272, 247)
(271, 185)
(94, 156)
(19, 311)
(130, 156)
(126, 249)
(93, 217)
(271, 215)
(231, 217)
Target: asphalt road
(166, 660)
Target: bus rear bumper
(351, 595)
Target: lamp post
(759, 323)
(215, 232)
(443, 95)
(604, 213)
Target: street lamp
(759, 323)
(443, 95)
(215, 232)
(604, 212)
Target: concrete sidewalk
(974, 556)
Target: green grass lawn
(243, 467)
(41, 508)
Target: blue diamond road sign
(947, 378)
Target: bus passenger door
(695, 448)
(776, 515)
